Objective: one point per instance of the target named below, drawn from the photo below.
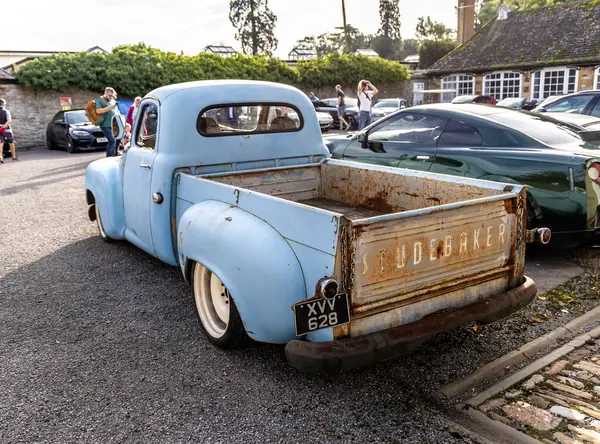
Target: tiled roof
(563, 34)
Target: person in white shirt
(365, 92)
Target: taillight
(594, 172)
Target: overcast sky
(187, 25)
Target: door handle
(422, 157)
(145, 165)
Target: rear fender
(103, 180)
(256, 264)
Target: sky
(188, 25)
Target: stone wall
(31, 111)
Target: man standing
(6, 132)
(365, 92)
(314, 99)
(341, 107)
(106, 107)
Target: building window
(553, 81)
(597, 78)
(501, 85)
(463, 84)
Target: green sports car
(556, 160)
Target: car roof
(476, 109)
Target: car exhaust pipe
(541, 235)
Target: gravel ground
(101, 343)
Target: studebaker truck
(345, 263)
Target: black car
(329, 106)
(585, 102)
(71, 130)
(518, 103)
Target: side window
(413, 128)
(146, 127)
(596, 110)
(575, 104)
(243, 119)
(460, 134)
(59, 116)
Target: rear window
(248, 118)
(537, 127)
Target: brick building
(531, 53)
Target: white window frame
(566, 73)
(596, 78)
(445, 96)
(502, 79)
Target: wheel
(101, 231)
(352, 122)
(71, 146)
(218, 314)
(50, 143)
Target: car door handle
(422, 157)
(145, 165)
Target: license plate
(102, 140)
(316, 314)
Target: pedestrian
(133, 109)
(6, 134)
(341, 107)
(127, 136)
(365, 92)
(314, 99)
(106, 106)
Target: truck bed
(352, 212)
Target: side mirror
(118, 126)
(363, 138)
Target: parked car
(579, 122)
(584, 102)
(329, 106)
(345, 263)
(71, 130)
(559, 167)
(518, 103)
(325, 120)
(385, 107)
(474, 99)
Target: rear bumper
(348, 353)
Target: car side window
(574, 104)
(460, 134)
(596, 110)
(413, 128)
(147, 126)
(59, 116)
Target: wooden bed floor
(349, 211)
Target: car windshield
(77, 117)
(387, 103)
(548, 100)
(513, 102)
(547, 131)
(573, 104)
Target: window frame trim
(473, 76)
(229, 105)
(484, 82)
(565, 68)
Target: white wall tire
(101, 231)
(217, 312)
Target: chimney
(466, 21)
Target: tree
(255, 24)
(431, 51)
(488, 9)
(430, 30)
(331, 42)
(389, 14)
(407, 47)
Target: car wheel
(71, 146)
(101, 231)
(50, 143)
(217, 312)
(352, 122)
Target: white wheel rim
(212, 301)
(99, 222)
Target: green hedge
(138, 69)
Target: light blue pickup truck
(346, 263)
